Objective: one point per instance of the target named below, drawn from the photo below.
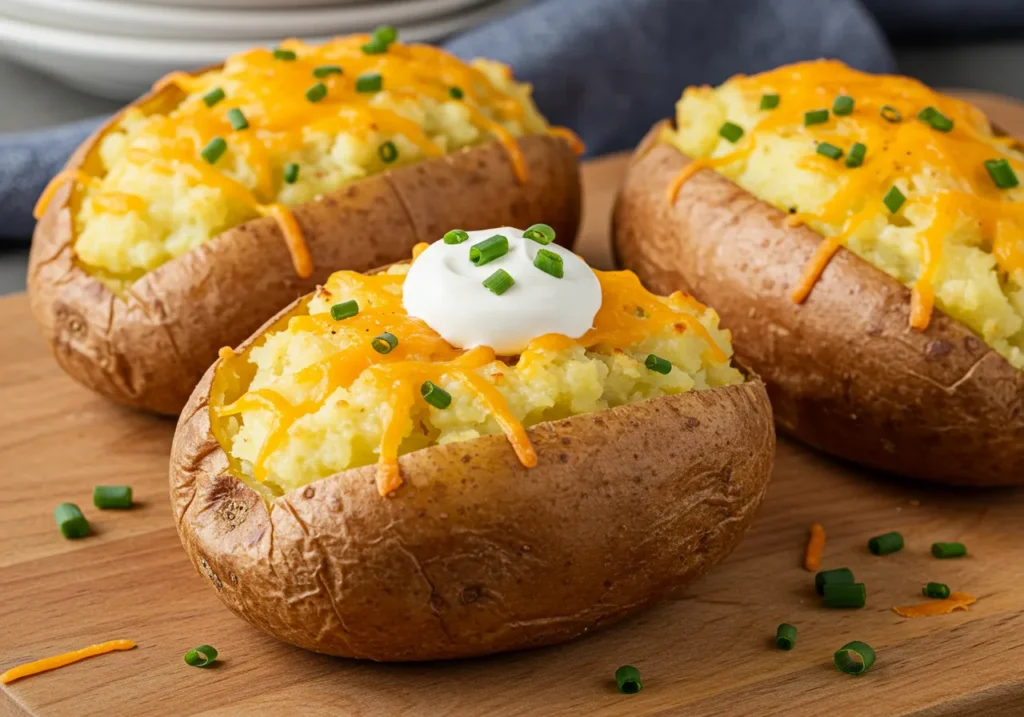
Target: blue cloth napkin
(608, 69)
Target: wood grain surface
(709, 653)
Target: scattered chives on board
(628, 680)
(852, 595)
(886, 544)
(949, 550)
(785, 636)
(854, 658)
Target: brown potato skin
(475, 554)
(844, 370)
(148, 348)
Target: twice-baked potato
(633, 459)
(223, 195)
(863, 237)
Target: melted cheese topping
(941, 174)
(414, 107)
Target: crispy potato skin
(844, 370)
(475, 554)
(149, 347)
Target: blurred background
(607, 68)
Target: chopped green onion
(456, 93)
(540, 233)
(387, 152)
(731, 132)
(286, 55)
(214, 149)
(317, 92)
(345, 310)
(202, 656)
(326, 70)
(455, 236)
(769, 102)
(854, 658)
(785, 636)
(894, 199)
(499, 282)
(375, 47)
(839, 576)
(936, 590)
(488, 250)
(886, 544)
(385, 33)
(842, 105)
(213, 96)
(70, 520)
(829, 150)
(935, 119)
(845, 595)
(949, 550)
(237, 119)
(855, 158)
(291, 173)
(1002, 173)
(385, 343)
(369, 82)
(627, 678)
(550, 263)
(435, 395)
(657, 364)
(112, 497)
(890, 113)
(815, 117)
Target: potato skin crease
(844, 370)
(475, 554)
(148, 348)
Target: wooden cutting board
(709, 653)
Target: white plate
(268, 4)
(122, 69)
(108, 17)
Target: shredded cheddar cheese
(815, 548)
(955, 602)
(52, 663)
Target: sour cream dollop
(446, 290)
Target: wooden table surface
(708, 653)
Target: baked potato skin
(148, 348)
(476, 554)
(844, 371)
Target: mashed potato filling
(322, 399)
(273, 129)
(948, 231)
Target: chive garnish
(317, 92)
(345, 310)
(886, 544)
(387, 152)
(435, 395)
(382, 37)
(854, 658)
(375, 47)
(657, 364)
(540, 233)
(488, 250)
(731, 132)
(202, 656)
(291, 173)
(949, 550)
(550, 263)
(70, 520)
(769, 102)
(855, 158)
(935, 119)
(213, 96)
(845, 595)
(455, 236)
(1002, 173)
(214, 149)
(237, 119)
(456, 93)
(326, 70)
(894, 199)
(842, 105)
(112, 497)
(785, 636)
(369, 82)
(499, 282)
(815, 117)
(286, 55)
(936, 590)
(627, 678)
(829, 150)
(385, 343)
(839, 576)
